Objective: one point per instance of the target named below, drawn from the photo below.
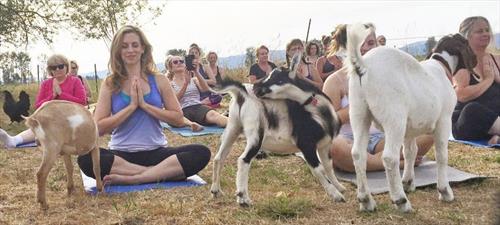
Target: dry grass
(282, 189)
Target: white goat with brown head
(63, 128)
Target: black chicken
(15, 109)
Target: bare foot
(494, 140)
(195, 127)
(118, 179)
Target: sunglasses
(57, 67)
(180, 61)
(74, 67)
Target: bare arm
(497, 68)
(211, 75)
(105, 121)
(333, 89)
(466, 92)
(319, 67)
(201, 82)
(316, 78)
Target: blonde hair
(212, 53)
(339, 39)
(168, 66)
(74, 62)
(57, 59)
(118, 72)
(465, 28)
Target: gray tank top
(191, 96)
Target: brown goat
(65, 128)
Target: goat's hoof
(44, 206)
(216, 193)
(403, 205)
(71, 191)
(243, 200)
(446, 194)
(409, 186)
(367, 203)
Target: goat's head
(282, 81)
(457, 45)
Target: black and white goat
(405, 99)
(287, 116)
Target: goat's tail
(356, 35)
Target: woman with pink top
(60, 86)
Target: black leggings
(473, 122)
(193, 158)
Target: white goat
(64, 128)
(405, 99)
(292, 116)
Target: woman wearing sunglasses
(188, 92)
(60, 86)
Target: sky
(229, 27)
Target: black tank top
(328, 66)
(490, 98)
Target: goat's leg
(48, 159)
(360, 122)
(390, 157)
(441, 134)
(231, 133)
(69, 173)
(410, 150)
(254, 143)
(96, 167)
(318, 169)
(326, 161)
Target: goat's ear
(294, 64)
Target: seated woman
(336, 87)
(262, 67)
(61, 85)
(331, 61)
(477, 113)
(207, 97)
(306, 70)
(74, 71)
(312, 52)
(132, 101)
(188, 93)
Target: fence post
(95, 76)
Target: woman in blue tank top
(133, 100)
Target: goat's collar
(311, 100)
(443, 61)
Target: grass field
(281, 187)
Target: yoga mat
(480, 144)
(90, 185)
(425, 175)
(27, 145)
(187, 132)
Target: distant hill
(419, 48)
(237, 61)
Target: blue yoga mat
(480, 143)
(187, 132)
(90, 185)
(27, 145)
